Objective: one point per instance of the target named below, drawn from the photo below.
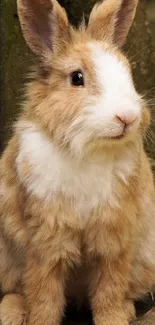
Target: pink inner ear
(37, 15)
(125, 18)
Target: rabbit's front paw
(12, 310)
(129, 309)
(111, 318)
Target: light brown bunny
(77, 201)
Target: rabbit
(77, 199)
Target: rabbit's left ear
(44, 24)
(112, 19)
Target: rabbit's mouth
(112, 137)
(117, 137)
(127, 133)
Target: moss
(15, 59)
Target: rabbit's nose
(126, 119)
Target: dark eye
(77, 78)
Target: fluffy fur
(77, 203)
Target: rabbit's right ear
(44, 24)
(110, 20)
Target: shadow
(83, 316)
(78, 317)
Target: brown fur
(103, 24)
(12, 310)
(46, 253)
(148, 319)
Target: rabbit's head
(84, 96)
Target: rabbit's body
(77, 201)
(79, 213)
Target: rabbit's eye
(77, 78)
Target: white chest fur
(88, 184)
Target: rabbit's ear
(44, 24)
(112, 19)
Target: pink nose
(126, 119)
